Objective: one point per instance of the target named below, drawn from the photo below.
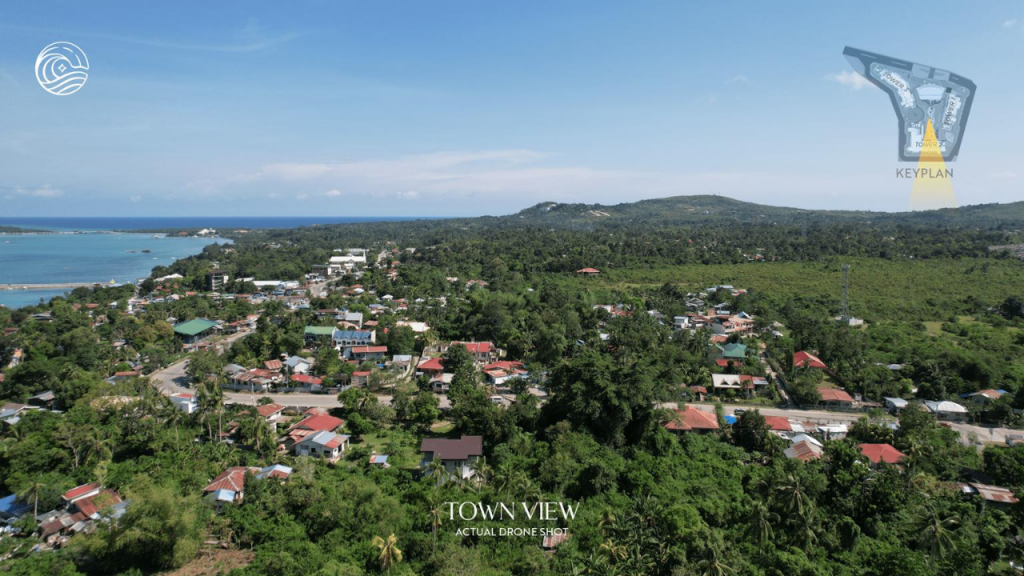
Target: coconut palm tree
(761, 520)
(437, 471)
(390, 555)
(482, 470)
(256, 432)
(504, 478)
(97, 446)
(793, 496)
(528, 490)
(211, 399)
(31, 491)
(173, 417)
(435, 520)
(935, 530)
(712, 564)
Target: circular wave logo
(62, 68)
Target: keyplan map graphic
(926, 99)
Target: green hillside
(708, 209)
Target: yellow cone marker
(933, 187)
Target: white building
(187, 403)
(946, 410)
(324, 444)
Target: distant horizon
(463, 109)
(405, 218)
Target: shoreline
(124, 263)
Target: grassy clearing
(442, 427)
(921, 290)
(214, 562)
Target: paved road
(825, 417)
(172, 380)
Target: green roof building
(314, 333)
(733, 351)
(194, 330)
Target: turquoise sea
(84, 249)
(83, 257)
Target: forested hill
(708, 209)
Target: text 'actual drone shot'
(511, 288)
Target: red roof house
(269, 410)
(692, 419)
(475, 347)
(231, 479)
(878, 453)
(804, 451)
(311, 425)
(834, 396)
(804, 359)
(778, 424)
(83, 491)
(433, 365)
(306, 380)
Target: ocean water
(166, 222)
(83, 257)
(100, 256)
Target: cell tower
(844, 311)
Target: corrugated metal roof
(989, 493)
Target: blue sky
(465, 108)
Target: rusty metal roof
(989, 493)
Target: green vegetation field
(923, 290)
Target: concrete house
(194, 331)
(314, 334)
(187, 403)
(458, 456)
(482, 352)
(364, 353)
(946, 410)
(314, 422)
(692, 419)
(326, 445)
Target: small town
(329, 371)
(494, 289)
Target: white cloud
(500, 181)
(1010, 23)
(135, 198)
(851, 79)
(437, 174)
(421, 163)
(41, 192)
(254, 40)
(738, 79)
